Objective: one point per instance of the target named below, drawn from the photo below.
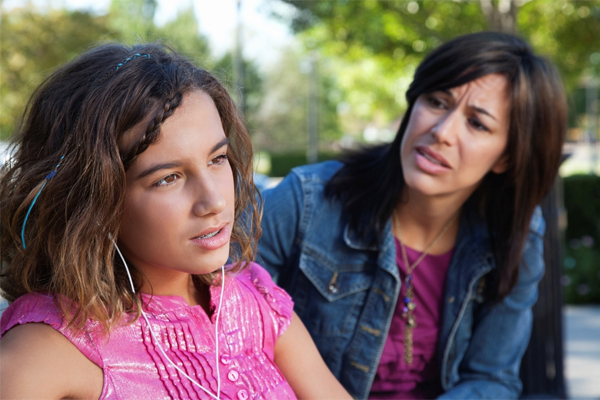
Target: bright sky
(262, 36)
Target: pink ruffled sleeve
(42, 308)
(278, 299)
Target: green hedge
(282, 163)
(581, 278)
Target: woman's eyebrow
(483, 111)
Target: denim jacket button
(451, 299)
(333, 288)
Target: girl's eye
(478, 125)
(218, 160)
(167, 180)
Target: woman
(414, 265)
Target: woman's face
(455, 137)
(179, 201)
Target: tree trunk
(501, 14)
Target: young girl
(414, 264)
(131, 171)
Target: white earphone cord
(218, 396)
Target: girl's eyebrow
(158, 167)
(223, 142)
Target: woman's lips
(212, 241)
(429, 162)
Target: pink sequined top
(420, 380)
(254, 313)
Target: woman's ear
(501, 165)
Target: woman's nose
(209, 199)
(446, 128)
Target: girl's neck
(193, 292)
(422, 218)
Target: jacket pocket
(337, 279)
(329, 297)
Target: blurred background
(314, 78)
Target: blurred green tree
(281, 118)
(379, 43)
(253, 85)
(34, 43)
(134, 20)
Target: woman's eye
(218, 160)
(167, 180)
(435, 102)
(478, 125)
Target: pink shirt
(255, 312)
(420, 380)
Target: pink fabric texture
(420, 380)
(254, 313)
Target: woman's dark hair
(538, 115)
(81, 112)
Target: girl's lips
(213, 242)
(429, 164)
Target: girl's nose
(209, 199)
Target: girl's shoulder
(39, 358)
(255, 279)
(44, 308)
(32, 308)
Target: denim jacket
(345, 291)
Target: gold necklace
(409, 304)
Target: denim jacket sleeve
(500, 333)
(283, 205)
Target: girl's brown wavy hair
(81, 112)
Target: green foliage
(281, 120)
(282, 163)
(378, 44)
(134, 20)
(581, 278)
(567, 32)
(33, 44)
(252, 90)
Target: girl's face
(455, 137)
(179, 201)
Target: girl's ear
(501, 165)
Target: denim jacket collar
(387, 246)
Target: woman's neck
(422, 218)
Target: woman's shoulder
(319, 173)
